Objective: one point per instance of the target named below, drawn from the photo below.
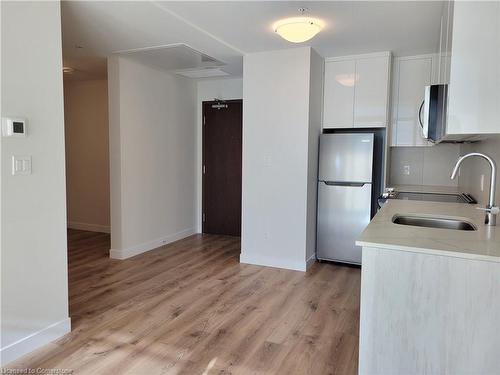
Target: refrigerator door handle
(352, 184)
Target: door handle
(351, 184)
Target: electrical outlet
(406, 170)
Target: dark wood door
(222, 134)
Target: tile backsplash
(423, 165)
(473, 169)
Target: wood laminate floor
(191, 308)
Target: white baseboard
(89, 227)
(311, 261)
(34, 341)
(260, 260)
(147, 246)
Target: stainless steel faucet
(491, 210)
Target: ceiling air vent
(202, 73)
(174, 58)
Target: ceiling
(226, 30)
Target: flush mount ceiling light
(298, 29)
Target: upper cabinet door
(413, 75)
(445, 44)
(339, 94)
(474, 91)
(371, 93)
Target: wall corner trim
(151, 245)
(34, 341)
(311, 261)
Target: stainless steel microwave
(433, 118)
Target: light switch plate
(21, 165)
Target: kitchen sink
(433, 222)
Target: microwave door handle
(425, 106)
(421, 122)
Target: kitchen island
(430, 298)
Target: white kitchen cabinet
(371, 92)
(338, 105)
(474, 90)
(444, 54)
(411, 74)
(356, 90)
(444, 68)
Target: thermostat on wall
(13, 127)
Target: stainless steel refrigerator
(345, 179)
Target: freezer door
(346, 157)
(343, 213)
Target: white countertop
(483, 244)
(426, 189)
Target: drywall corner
(115, 162)
(314, 131)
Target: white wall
(430, 166)
(473, 168)
(230, 88)
(276, 123)
(152, 157)
(34, 285)
(87, 173)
